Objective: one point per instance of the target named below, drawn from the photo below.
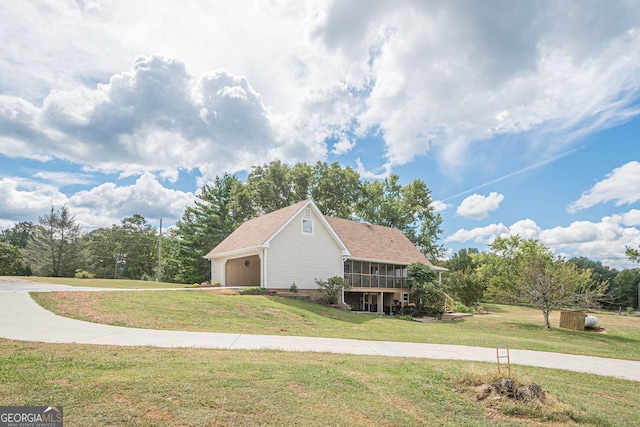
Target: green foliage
(526, 270)
(293, 287)
(83, 274)
(461, 308)
(220, 208)
(55, 247)
(127, 251)
(19, 235)
(498, 271)
(463, 260)
(464, 286)
(425, 290)
(624, 289)
(331, 290)
(633, 254)
(335, 189)
(12, 261)
(407, 208)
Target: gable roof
(359, 240)
(376, 242)
(257, 231)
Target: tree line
(523, 271)
(513, 270)
(56, 246)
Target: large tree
(54, 249)
(103, 252)
(139, 242)
(408, 208)
(425, 289)
(12, 261)
(19, 235)
(462, 282)
(335, 189)
(527, 271)
(624, 289)
(220, 208)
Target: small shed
(572, 320)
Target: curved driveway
(22, 319)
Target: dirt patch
(222, 291)
(506, 400)
(506, 388)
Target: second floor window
(307, 226)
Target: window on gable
(307, 226)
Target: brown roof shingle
(256, 231)
(364, 241)
(376, 242)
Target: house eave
(236, 252)
(395, 262)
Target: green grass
(517, 327)
(100, 283)
(104, 385)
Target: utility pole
(159, 275)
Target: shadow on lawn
(324, 311)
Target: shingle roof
(376, 242)
(364, 241)
(256, 231)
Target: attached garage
(243, 271)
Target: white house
(298, 244)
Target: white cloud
(367, 174)
(525, 228)
(621, 185)
(439, 206)
(100, 206)
(448, 74)
(343, 146)
(109, 203)
(25, 200)
(477, 206)
(421, 75)
(604, 241)
(478, 234)
(65, 178)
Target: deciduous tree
(425, 290)
(12, 261)
(407, 208)
(527, 271)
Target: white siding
(302, 258)
(217, 270)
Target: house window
(307, 226)
(405, 297)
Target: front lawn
(517, 327)
(105, 385)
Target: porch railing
(448, 304)
(357, 280)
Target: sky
(521, 117)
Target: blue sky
(522, 118)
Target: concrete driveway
(22, 319)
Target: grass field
(100, 283)
(517, 327)
(118, 386)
